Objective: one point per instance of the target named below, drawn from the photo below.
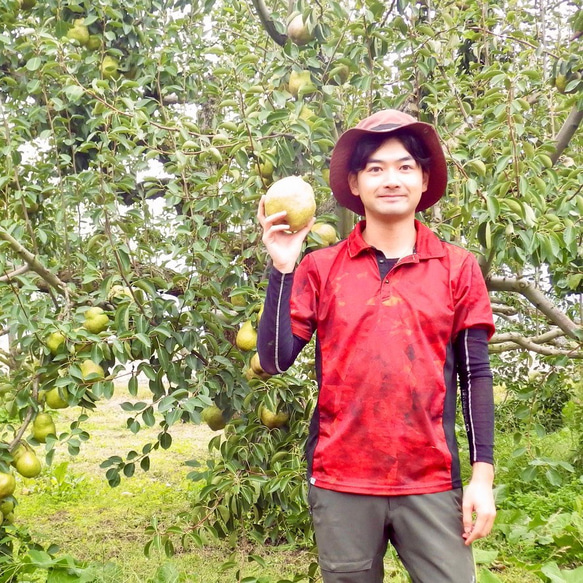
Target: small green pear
(79, 32)
(43, 426)
(299, 80)
(88, 367)
(246, 336)
(54, 342)
(109, 68)
(28, 465)
(213, 417)
(96, 320)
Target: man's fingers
(481, 528)
(267, 220)
(261, 210)
(307, 228)
(467, 519)
(275, 218)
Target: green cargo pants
(353, 531)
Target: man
(400, 317)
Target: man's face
(391, 184)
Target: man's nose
(391, 178)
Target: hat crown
(385, 120)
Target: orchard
(137, 140)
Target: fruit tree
(137, 138)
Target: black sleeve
(276, 344)
(471, 349)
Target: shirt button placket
(386, 288)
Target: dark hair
(370, 143)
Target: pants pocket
(347, 566)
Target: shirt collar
(427, 244)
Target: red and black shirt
(389, 352)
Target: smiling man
(402, 320)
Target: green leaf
(34, 64)
(148, 417)
(64, 575)
(74, 92)
(493, 208)
(129, 470)
(554, 477)
(485, 576)
(165, 440)
(133, 385)
(485, 556)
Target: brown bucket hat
(387, 121)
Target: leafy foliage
(135, 154)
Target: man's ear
(425, 180)
(353, 183)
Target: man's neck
(395, 239)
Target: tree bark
(537, 298)
(567, 132)
(268, 23)
(33, 263)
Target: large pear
(54, 341)
(79, 32)
(298, 31)
(96, 320)
(54, 400)
(295, 196)
(28, 465)
(88, 367)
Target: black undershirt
(385, 263)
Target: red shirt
(384, 421)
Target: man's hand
(479, 501)
(283, 247)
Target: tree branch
(268, 23)
(34, 264)
(518, 338)
(526, 344)
(509, 341)
(537, 298)
(13, 274)
(503, 310)
(567, 132)
(518, 342)
(6, 359)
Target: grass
(72, 505)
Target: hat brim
(342, 153)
